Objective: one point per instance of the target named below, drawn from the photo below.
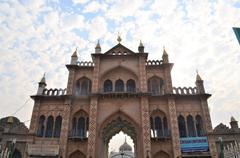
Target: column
(92, 128)
(174, 128)
(145, 127)
(208, 127)
(64, 129)
(145, 117)
(35, 117)
(91, 150)
(70, 81)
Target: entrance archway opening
(119, 126)
(121, 145)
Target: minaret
(141, 47)
(199, 84)
(41, 85)
(234, 123)
(98, 48)
(165, 56)
(74, 58)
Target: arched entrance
(161, 154)
(119, 122)
(77, 154)
(17, 154)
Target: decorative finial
(233, 119)
(43, 80)
(141, 44)
(164, 51)
(75, 53)
(98, 45)
(119, 39)
(198, 78)
(125, 139)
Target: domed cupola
(125, 147)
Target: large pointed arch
(113, 124)
(113, 69)
(16, 154)
(77, 154)
(161, 154)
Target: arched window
(83, 86)
(131, 87)
(49, 130)
(57, 128)
(165, 127)
(87, 128)
(81, 127)
(119, 86)
(158, 127)
(182, 126)
(190, 125)
(86, 87)
(152, 128)
(17, 154)
(199, 125)
(155, 85)
(108, 86)
(40, 132)
(74, 126)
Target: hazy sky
(40, 36)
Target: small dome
(125, 147)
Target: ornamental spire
(98, 48)
(74, 58)
(75, 53)
(165, 56)
(198, 78)
(119, 39)
(43, 80)
(141, 47)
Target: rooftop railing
(85, 63)
(54, 92)
(154, 62)
(185, 90)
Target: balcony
(119, 94)
(160, 136)
(78, 136)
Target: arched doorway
(77, 154)
(17, 154)
(119, 122)
(161, 154)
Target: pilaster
(174, 128)
(145, 127)
(35, 116)
(93, 112)
(142, 73)
(64, 129)
(92, 128)
(70, 81)
(208, 127)
(168, 78)
(146, 142)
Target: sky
(40, 36)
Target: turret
(233, 123)
(141, 47)
(199, 84)
(165, 56)
(41, 85)
(98, 48)
(74, 58)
